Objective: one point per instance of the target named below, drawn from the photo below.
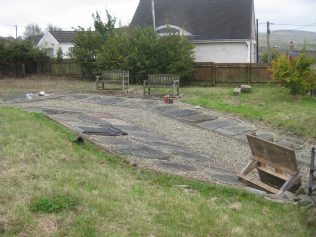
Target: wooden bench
(119, 77)
(162, 80)
(276, 166)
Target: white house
(223, 31)
(53, 40)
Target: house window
(50, 52)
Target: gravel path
(227, 155)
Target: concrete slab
(74, 97)
(224, 176)
(137, 103)
(290, 143)
(102, 131)
(198, 118)
(177, 166)
(104, 100)
(236, 130)
(180, 113)
(218, 123)
(164, 108)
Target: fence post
(214, 74)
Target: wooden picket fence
(205, 74)
(65, 68)
(211, 74)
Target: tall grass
(50, 186)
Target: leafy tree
(88, 43)
(51, 27)
(16, 54)
(296, 73)
(139, 50)
(142, 52)
(86, 46)
(60, 54)
(104, 29)
(275, 54)
(31, 30)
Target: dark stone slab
(73, 97)
(225, 177)
(191, 156)
(51, 111)
(105, 100)
(198, 118)
(145, 152)
(234, 131)
(290, 143)
(218, 123)
(177, 166)
(164, 108)
(102, 131)
(137, 103)
(180, 113)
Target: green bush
(143, 52)
(139, 50)
(296, 73)
(15, 55)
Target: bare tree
(31, 30)
(51, 27)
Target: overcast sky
(71, 13)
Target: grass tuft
(54, 204)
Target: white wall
(65, 48)
(223, 52)
(49, 42)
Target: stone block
(246, 88)
(237, 92)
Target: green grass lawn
(50, 186)
(269, 105)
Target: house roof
(36, 38)
(64, 36)
(205, 19)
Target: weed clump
(54, 204)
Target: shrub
(139, 50)
(296, 73)
(143, 52)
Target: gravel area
(227, 153)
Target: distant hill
(281, 39)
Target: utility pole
(257, 38)
(268, 43)
(16, 32)
(154, 15)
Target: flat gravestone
(102, 131)
(180, 113)
(198, 118)
(225, 177)
(105, 100)
(52, 111)
(234, 131)
(73, 97)
(177, 166)
(146, 152)
(164, 108)
(191, 156)
(136, 103)
(218, 123)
